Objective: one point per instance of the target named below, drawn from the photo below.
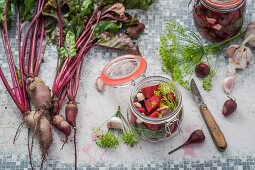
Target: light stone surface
(95, 108)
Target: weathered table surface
(95, 108)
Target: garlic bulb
(228, 84)
(114, 123)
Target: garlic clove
(228, 84)
(248, 55)
(238, 55)
(231, 69)
(114, 123)
(137, 104)
(231, 50)
(100, 85)
(140, 97)
(242, 65)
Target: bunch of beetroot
(217, 26)
(155, 102)
(28, 91)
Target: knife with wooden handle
(215, 132)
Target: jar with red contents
(218, 20)
(155, 125)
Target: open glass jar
(130, 69)
(218, 20)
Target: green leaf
(2, 7)
(119, 41)
(107, 26)
(28, 7)
(133, 4)
(70, 44)
(18, 75)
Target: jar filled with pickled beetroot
(155, 105)
(155, 108)
(218, 20)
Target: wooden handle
(216, 134)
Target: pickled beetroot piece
(148, 92)
(152, 104)
(141, 110)
(153, 127)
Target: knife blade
(215, 132)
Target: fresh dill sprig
(107, 140)
(181, 49)
(129, 138)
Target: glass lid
(123, 69)
(224, 4)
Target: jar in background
(155, 129)
(218, 20)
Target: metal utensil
(216, 134)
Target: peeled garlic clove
(140, 97)
(99, 85)
(228, 84)
(137, 104)
(231, 69)
(231, 50)
(114, 123)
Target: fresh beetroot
(39, 93)
(61, 124)
(196, 137)
(41, 126)
(71, 111)
(148, 92)
(152, 104)
(202, 70)
(229, 107)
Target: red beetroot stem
(14, 98)
(39, 54)
(12, 68)
(60, 44)
(8, 52)
(65, 75)
(33, 43)
(178, 148)
(69, 73)
(23, 50)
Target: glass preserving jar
(218, 20)
(129, 69)
(155, 129)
